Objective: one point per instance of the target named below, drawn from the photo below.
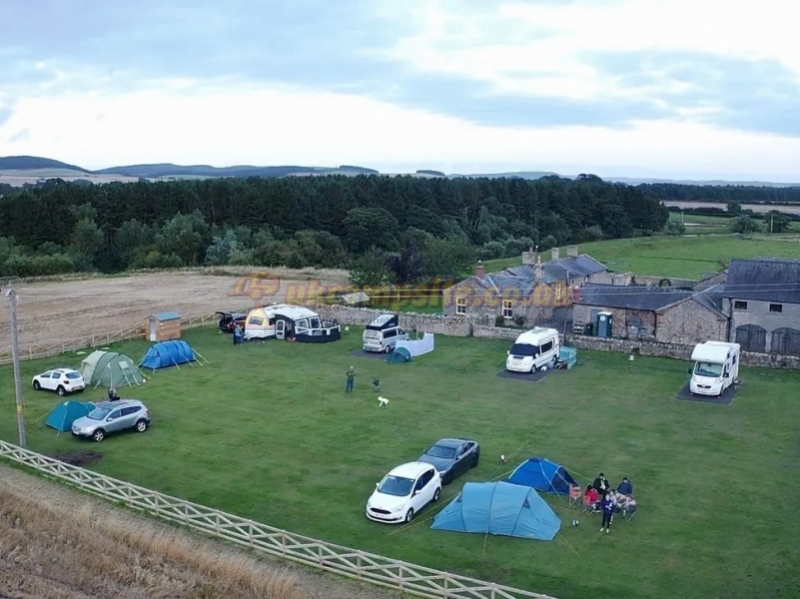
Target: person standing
(608, 513)
(351, 377)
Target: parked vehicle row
(407, 489)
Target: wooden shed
(163, 326)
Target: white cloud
(552, 37)
(234, 123)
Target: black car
(229, 320)
(452, 457)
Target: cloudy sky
(678, 88)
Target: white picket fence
(352, 563)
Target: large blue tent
(64, 414)
(168, 353)
(543, 475)
(499, 509)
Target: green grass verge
(267, 432)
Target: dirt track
(50, 313)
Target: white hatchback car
(404, 492)
(60, 380)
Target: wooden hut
(163, 326)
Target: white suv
(404, 492)
(60, 380)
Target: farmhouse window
(508, 309)
(778, 308)
(739, 305)
(461, 305)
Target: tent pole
(201, 357)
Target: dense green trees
(421, 227)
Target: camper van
(283, 321)
(534, 350)
(716, 367)
(383, 333)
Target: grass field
(685, 256)
(267, 432)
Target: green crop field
(680, 256)
(266, 431)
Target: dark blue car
(452, 457)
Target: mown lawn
(267, 432)
(683, 256)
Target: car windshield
(100, 413)
(523, 349)
(73, 375)
(396, 485)
(440, 451)
(708, 369)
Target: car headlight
(398, 509)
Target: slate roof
(710, 298)
(502, 282)
(763, 279)
(632, 297)
(563, 269)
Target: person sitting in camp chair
(112, 394)
(591, 499)
(625, 487)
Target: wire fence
(407, 578)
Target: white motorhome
(534, 350)
(716, 367)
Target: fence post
(63, 349)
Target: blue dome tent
(499, 509)
(543, 475)
(169, 353)
(64, 414)
(399, 356)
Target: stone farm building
(536, 292)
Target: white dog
(382, 402)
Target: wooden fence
(352, 563)
(35, 352)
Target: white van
(382, 334)
(716, 367)
(537, 349)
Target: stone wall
(675, 351)
(424, 323)
(621, 319)
(689, 323)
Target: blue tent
(64, 414)
(543, 475)
(168, 353)
(399, 356)
(499, 509)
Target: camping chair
(575, 495)
(630, 513)
(588, 506)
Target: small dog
(382, 402)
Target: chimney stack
(479, 269)
(572, 251)
(539, 271)
(554, 254)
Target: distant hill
(28, 169)
(29, 163)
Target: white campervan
(383, 333)
(534, 350)
(716, 367)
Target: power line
(11, 295)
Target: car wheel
(438, 494)
(60, 391)
(98, 435)
(36, 385)
(141, 426)
(388, 350)
(409, 516)
(475, 460)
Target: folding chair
(588, 506)
(630, 513)
(575, 495)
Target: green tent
(110, 369)
(399, 356)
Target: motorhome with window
(534, 350)
(283, 321)
(383, 333)
(716, 367)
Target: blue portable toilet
(543, 475)
(168, 353)
(500, 509)
(64, 414)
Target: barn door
(752, 338)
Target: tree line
(724, 194)
(417, 227)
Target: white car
(60, 380)
(404, 492)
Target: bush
(18, 265)
(675, 228)
(519, 321)
(499, 321)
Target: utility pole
(11, 295)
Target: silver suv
(112, 417)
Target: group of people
(602, 498)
